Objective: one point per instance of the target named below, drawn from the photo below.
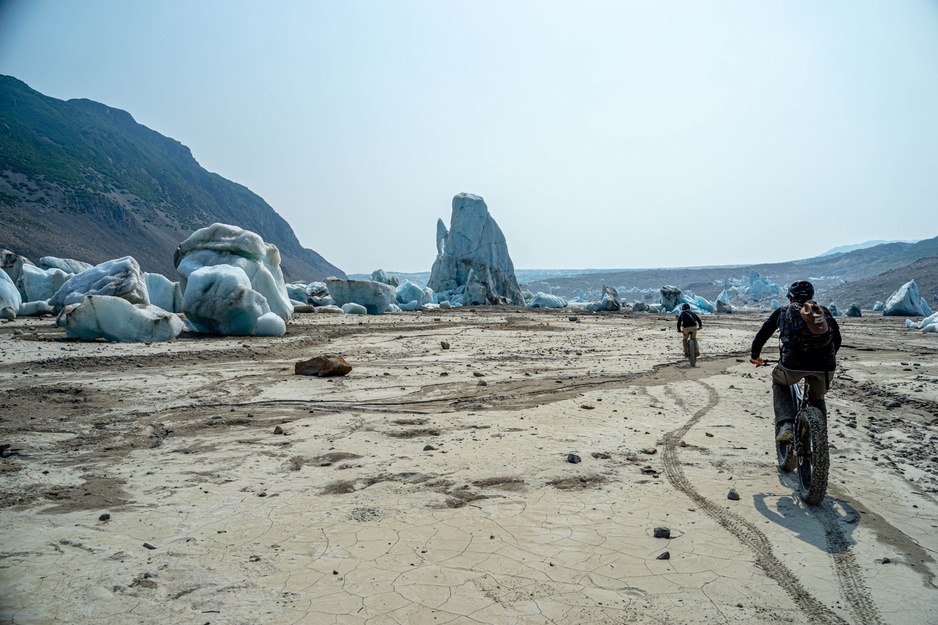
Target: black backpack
(794, 333)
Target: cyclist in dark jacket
(688, 322)
(818, 365)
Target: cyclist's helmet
(685, 307)
(801, 291)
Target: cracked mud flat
(407, 492)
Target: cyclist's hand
(757, 361)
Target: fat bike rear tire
(813, 462)
(692, 352)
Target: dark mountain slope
(82, 180)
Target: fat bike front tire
(813, 461)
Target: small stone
(885, 561)
(278, 430)
(443, 374)
(478, 374)
(587, 407)
(335, 572)
(148, 546)
(708, 434)
(483, 383)
(261, 494)
(444, 344)
(429, 448)
(894, 404)
(664, 556)
(733, 495)
(662, 532)
(651, 451)
(573, 459)
(104, 517)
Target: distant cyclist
(809, 340)
(688, 322)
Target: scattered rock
(429, 448)
(651, 451)
(104, 517)
(893, 404)
(148, 546)
(664, 556)
(708, 434)
(662, 532)
(573, 459)
(574, 319)
(278, 430)
(444, 344)
(483, 383)
(600, 455)
(885, 561)
(733, 495)
(323, 366)
(478, 374)
(587, 407)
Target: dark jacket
(795, 359)
(688, 319)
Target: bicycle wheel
(692, 352)
(813, 460)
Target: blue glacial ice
(120, 277)
(906, 302)
(163, 292)
(374, 296)
(238, 279)
(116, 319)
(546, 300)
(68, 265)
(10, 298)
(41, 284)
(219, 300)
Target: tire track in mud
(848, 576)
(848, 571)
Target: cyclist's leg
(782, 380)
(686, 332)
(693, 335)
(819, 383)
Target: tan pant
(692, 333)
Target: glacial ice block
(120, 277)
(116, 319)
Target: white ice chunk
(10, 299)
(163, 292)
(33, 309)
(219, 300)
(116, 319)
(41, 284)
(68, 265)
(270, 324)
(546, 300)
(351, 308)
(906, 302)
(224, 245)
(120, 277)
(374, 296)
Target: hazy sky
(601, 134)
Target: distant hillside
(82, 180)
(859, 246)
(848, 275)
(866, 291)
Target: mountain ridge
(81, 179)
